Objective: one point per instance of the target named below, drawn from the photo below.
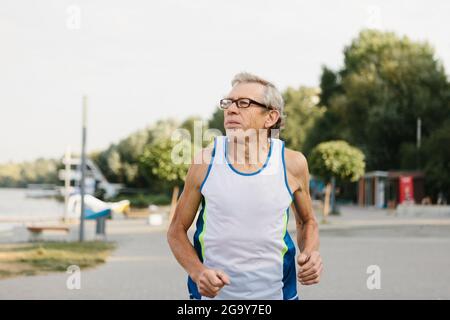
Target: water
(15, 205)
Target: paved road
(414, 262)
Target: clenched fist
(310, 267)
(211, 281)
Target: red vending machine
(406, 189)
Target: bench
(36, 231)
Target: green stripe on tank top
(285, 248)
(201, 237)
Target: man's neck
(248, 149)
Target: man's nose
(233, 108)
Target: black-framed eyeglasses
(240, 103)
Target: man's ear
(273, 116)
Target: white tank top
(242, 227)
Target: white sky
(140, 61)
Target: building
(384, 189)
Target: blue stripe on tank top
(289, 274)
(192, 286)
(285, 173)
(213, 154)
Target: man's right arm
(208, 281)
(184, 216)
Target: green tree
(120, 161)
(197, 129)
(386, 83)
(10, 175)
(336, 160)
(190, 125)
(329, 85)
(437, 166)
(41, 171)
(166, 164)
(302, 112)
(216, 120)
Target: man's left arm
(309, 261)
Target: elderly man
(245, 186)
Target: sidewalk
(356, 217)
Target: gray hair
(272, 96)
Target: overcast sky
(140, 61)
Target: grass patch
(44, 257)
